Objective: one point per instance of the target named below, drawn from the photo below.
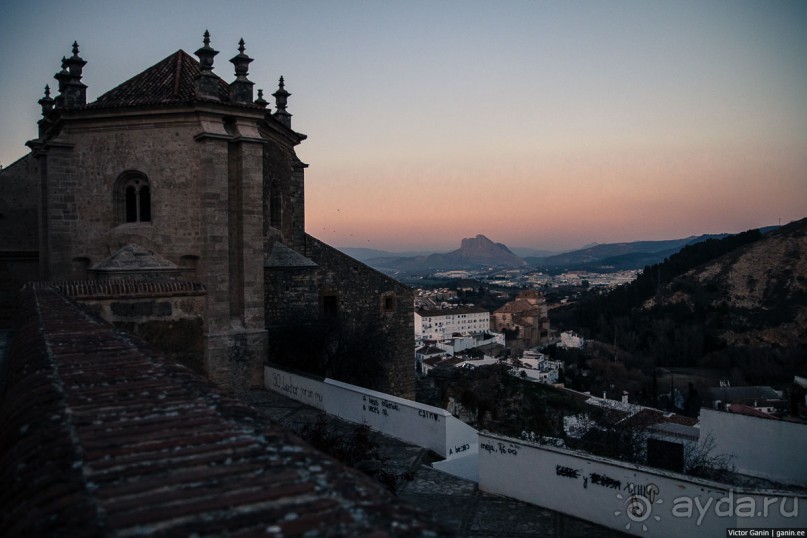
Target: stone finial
(241, 88)
(76, 63)
(74, 91)
(281, 101)
(46, 102)
(206, 83)
(47, 107)
(260, 101)
(206, 53)
(62, 77)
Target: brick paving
(456, 503)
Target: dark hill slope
(739, 302)
(762, 285)
(632, 255)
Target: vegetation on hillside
(686, 333)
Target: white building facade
(442, 324)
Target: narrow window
(132, 198)
(330, 305)
(131, 204)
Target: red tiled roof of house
(518, 306)
(432, 312)
(104, 436)
(742, 409)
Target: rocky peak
(483, 250)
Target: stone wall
(19, 253)
(18, 205)
(81, 225)
(367, 299)
(291, 297)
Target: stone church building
(173, 206)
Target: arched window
(132, 198)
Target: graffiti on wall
(508, 449)
(596, 479)
(379, 406)
(283, 383)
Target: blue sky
(545, 124)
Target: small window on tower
(388, 303)
(132, 198)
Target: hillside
(739, 303)
(763, 285)
(631, 255)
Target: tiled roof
(741, 394)
(170, 81)
(518, 306)
(426, 312)
(122, 287)
(102, 436)
(742, 409)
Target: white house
(442, 324)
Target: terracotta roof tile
(170, 81)
(104, 436)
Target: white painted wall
(422, 425)
(302, 389)
(441, 324)
(419, 424)
(772, 449)
(602, 491)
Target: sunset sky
(543, 124)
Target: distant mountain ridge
(480, 252)
(474, 252)
(632, 255)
